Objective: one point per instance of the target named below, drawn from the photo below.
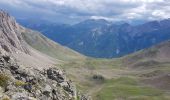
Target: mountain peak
(92, 21)
(101, 20)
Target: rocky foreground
(19, 83)
(25, 73)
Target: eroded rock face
(30, 84)
(10, 34)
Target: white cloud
(104, 9)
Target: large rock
(56, 75)
(47, 90)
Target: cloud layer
(68, 11)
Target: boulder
(47, 90)
(28, 87)
(55, 75)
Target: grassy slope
(43, 44)
(127, 78)
(123, 78)
(125, 88)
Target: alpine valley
(33, 67)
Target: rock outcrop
(33, 84)
(18, 82)
(10, 34)
(21, 75)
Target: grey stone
(28, 87)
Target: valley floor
(104, 79)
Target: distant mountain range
(33, 67)
(100, 38)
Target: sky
(73, 11)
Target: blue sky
(71, 11)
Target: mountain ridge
(90, 36)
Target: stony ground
(19, 83)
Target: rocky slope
(19, 83)
(11, 39)
(27, 72)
